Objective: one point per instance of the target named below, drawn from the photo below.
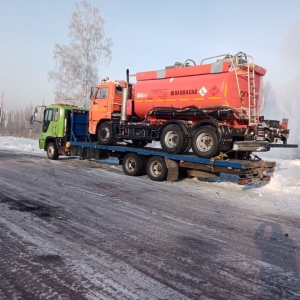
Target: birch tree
(78, 63)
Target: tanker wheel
(105, 134)
(156, 168)
(173, 139)
(133, 164)
(205, 142)
(52, 151)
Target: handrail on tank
(230, 57)
(222, 55)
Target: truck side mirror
(92, 95)
(38, 114)
(31, 120)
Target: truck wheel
(133, 164)
(52, 151)
(173, 139)
(156, 168)
(205, 142)
(105, 134)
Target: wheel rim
(204, 142)
(131, 165)
(171, 139)
(155, 168)
(51, 151)
(104, 134)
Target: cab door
(101, 100)
(49, 125)
(100, 108)
(48, 117)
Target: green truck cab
(56, 128)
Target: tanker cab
(106, 100)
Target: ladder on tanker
(244, 70)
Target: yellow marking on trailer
(226, 103)
(171, 100)
(160, 100)
(139, 101)
(148, 100)
(184, 99)
(198, 99)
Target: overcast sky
(147, 35)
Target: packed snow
(285, 180)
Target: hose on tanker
(171, 111)
(191, 111)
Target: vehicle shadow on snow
(278, 274)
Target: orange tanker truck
(213, 108)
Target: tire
(133, 164)
(205, 142)
(156, 168)
(173, 139)
(105, 134)
(52, 151)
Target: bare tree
(77, 64)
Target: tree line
(19, 123)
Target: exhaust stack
(125, 93)
(124, 104)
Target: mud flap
(173, 169)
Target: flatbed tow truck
(65, 132)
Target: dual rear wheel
(204, 141)
(174, 139)
(135, 165)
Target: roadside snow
(20, 145)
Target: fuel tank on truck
(223, 83)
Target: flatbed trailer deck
(160, 165)
(189, 164)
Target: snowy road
(72, 230)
